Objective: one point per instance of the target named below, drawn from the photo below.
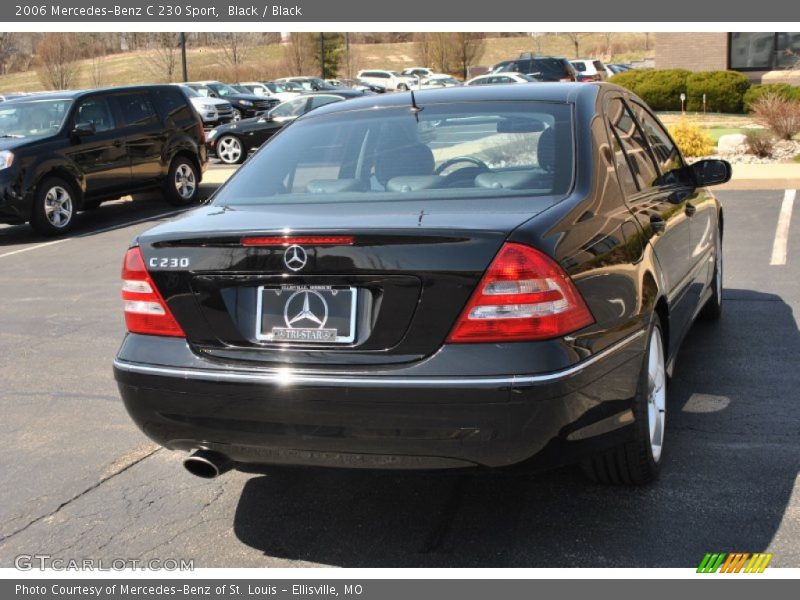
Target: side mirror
(84, 128)
(711, 172)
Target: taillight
(308, 240)
(523, 296)
(145, 309)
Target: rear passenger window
(96, 111)
(633, 143)
(173, 104)
(137, 109)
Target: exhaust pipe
(207, 464)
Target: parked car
(12, 96)
(64, 152)
(543, 68)
(363, 86)
(614, 68)
(395, 288)
(232, 143)
(417, 72)
(388, 79)
(244, 105)
(213, 111)
(495, 78)
(308, 84)
(439, 81)
(269, 90)
(590, 69)
(283, 91)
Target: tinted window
(292, 108)
(173, 104)
(137, 109)
(579, 66)
(469, 150)
(97, 111)
(633, 143)
(323, 100)
(598, 65)
(664, 151)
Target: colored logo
(736, 562)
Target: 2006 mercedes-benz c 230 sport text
(446, 278)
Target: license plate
(306, 314)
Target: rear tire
(712, 311)
(637, 462)
(54, 207)
(182, 183)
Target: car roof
(543, 92)
(72, 94)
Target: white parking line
(94, 232)
(782, 232)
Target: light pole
(322, 53)
(183, 58)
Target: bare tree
(164, 54)
(575, 39)
(7, 49)
(299, 53)
(434, 50)
(468, 48)
(57, 57)
(233, 50)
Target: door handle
(657, 224)
(690, 209)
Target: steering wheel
(452, 161)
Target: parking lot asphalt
(78, 479)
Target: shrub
(780, 115)
(724, 91)
(759, 142)
(691, 139)
(660, 89)
(784, 90)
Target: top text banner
(442, 11)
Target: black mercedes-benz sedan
(447, 278)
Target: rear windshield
(486, 149)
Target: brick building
(763, 57)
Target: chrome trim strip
(286, 377)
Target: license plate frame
(313, 299)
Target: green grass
(718, 132)
(796, 158)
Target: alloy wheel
(58, 207)
(229, 149)
(656, 394)
(185, 181)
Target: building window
(788, 45)
(759, 51)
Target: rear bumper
(386, 421)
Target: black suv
(245, 106)
(64, 152)
(543, 68)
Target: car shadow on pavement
(730, 467)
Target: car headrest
(333, 186)
(546, 150)
(404, 161)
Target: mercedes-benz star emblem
(295, 257)
(314, 309)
